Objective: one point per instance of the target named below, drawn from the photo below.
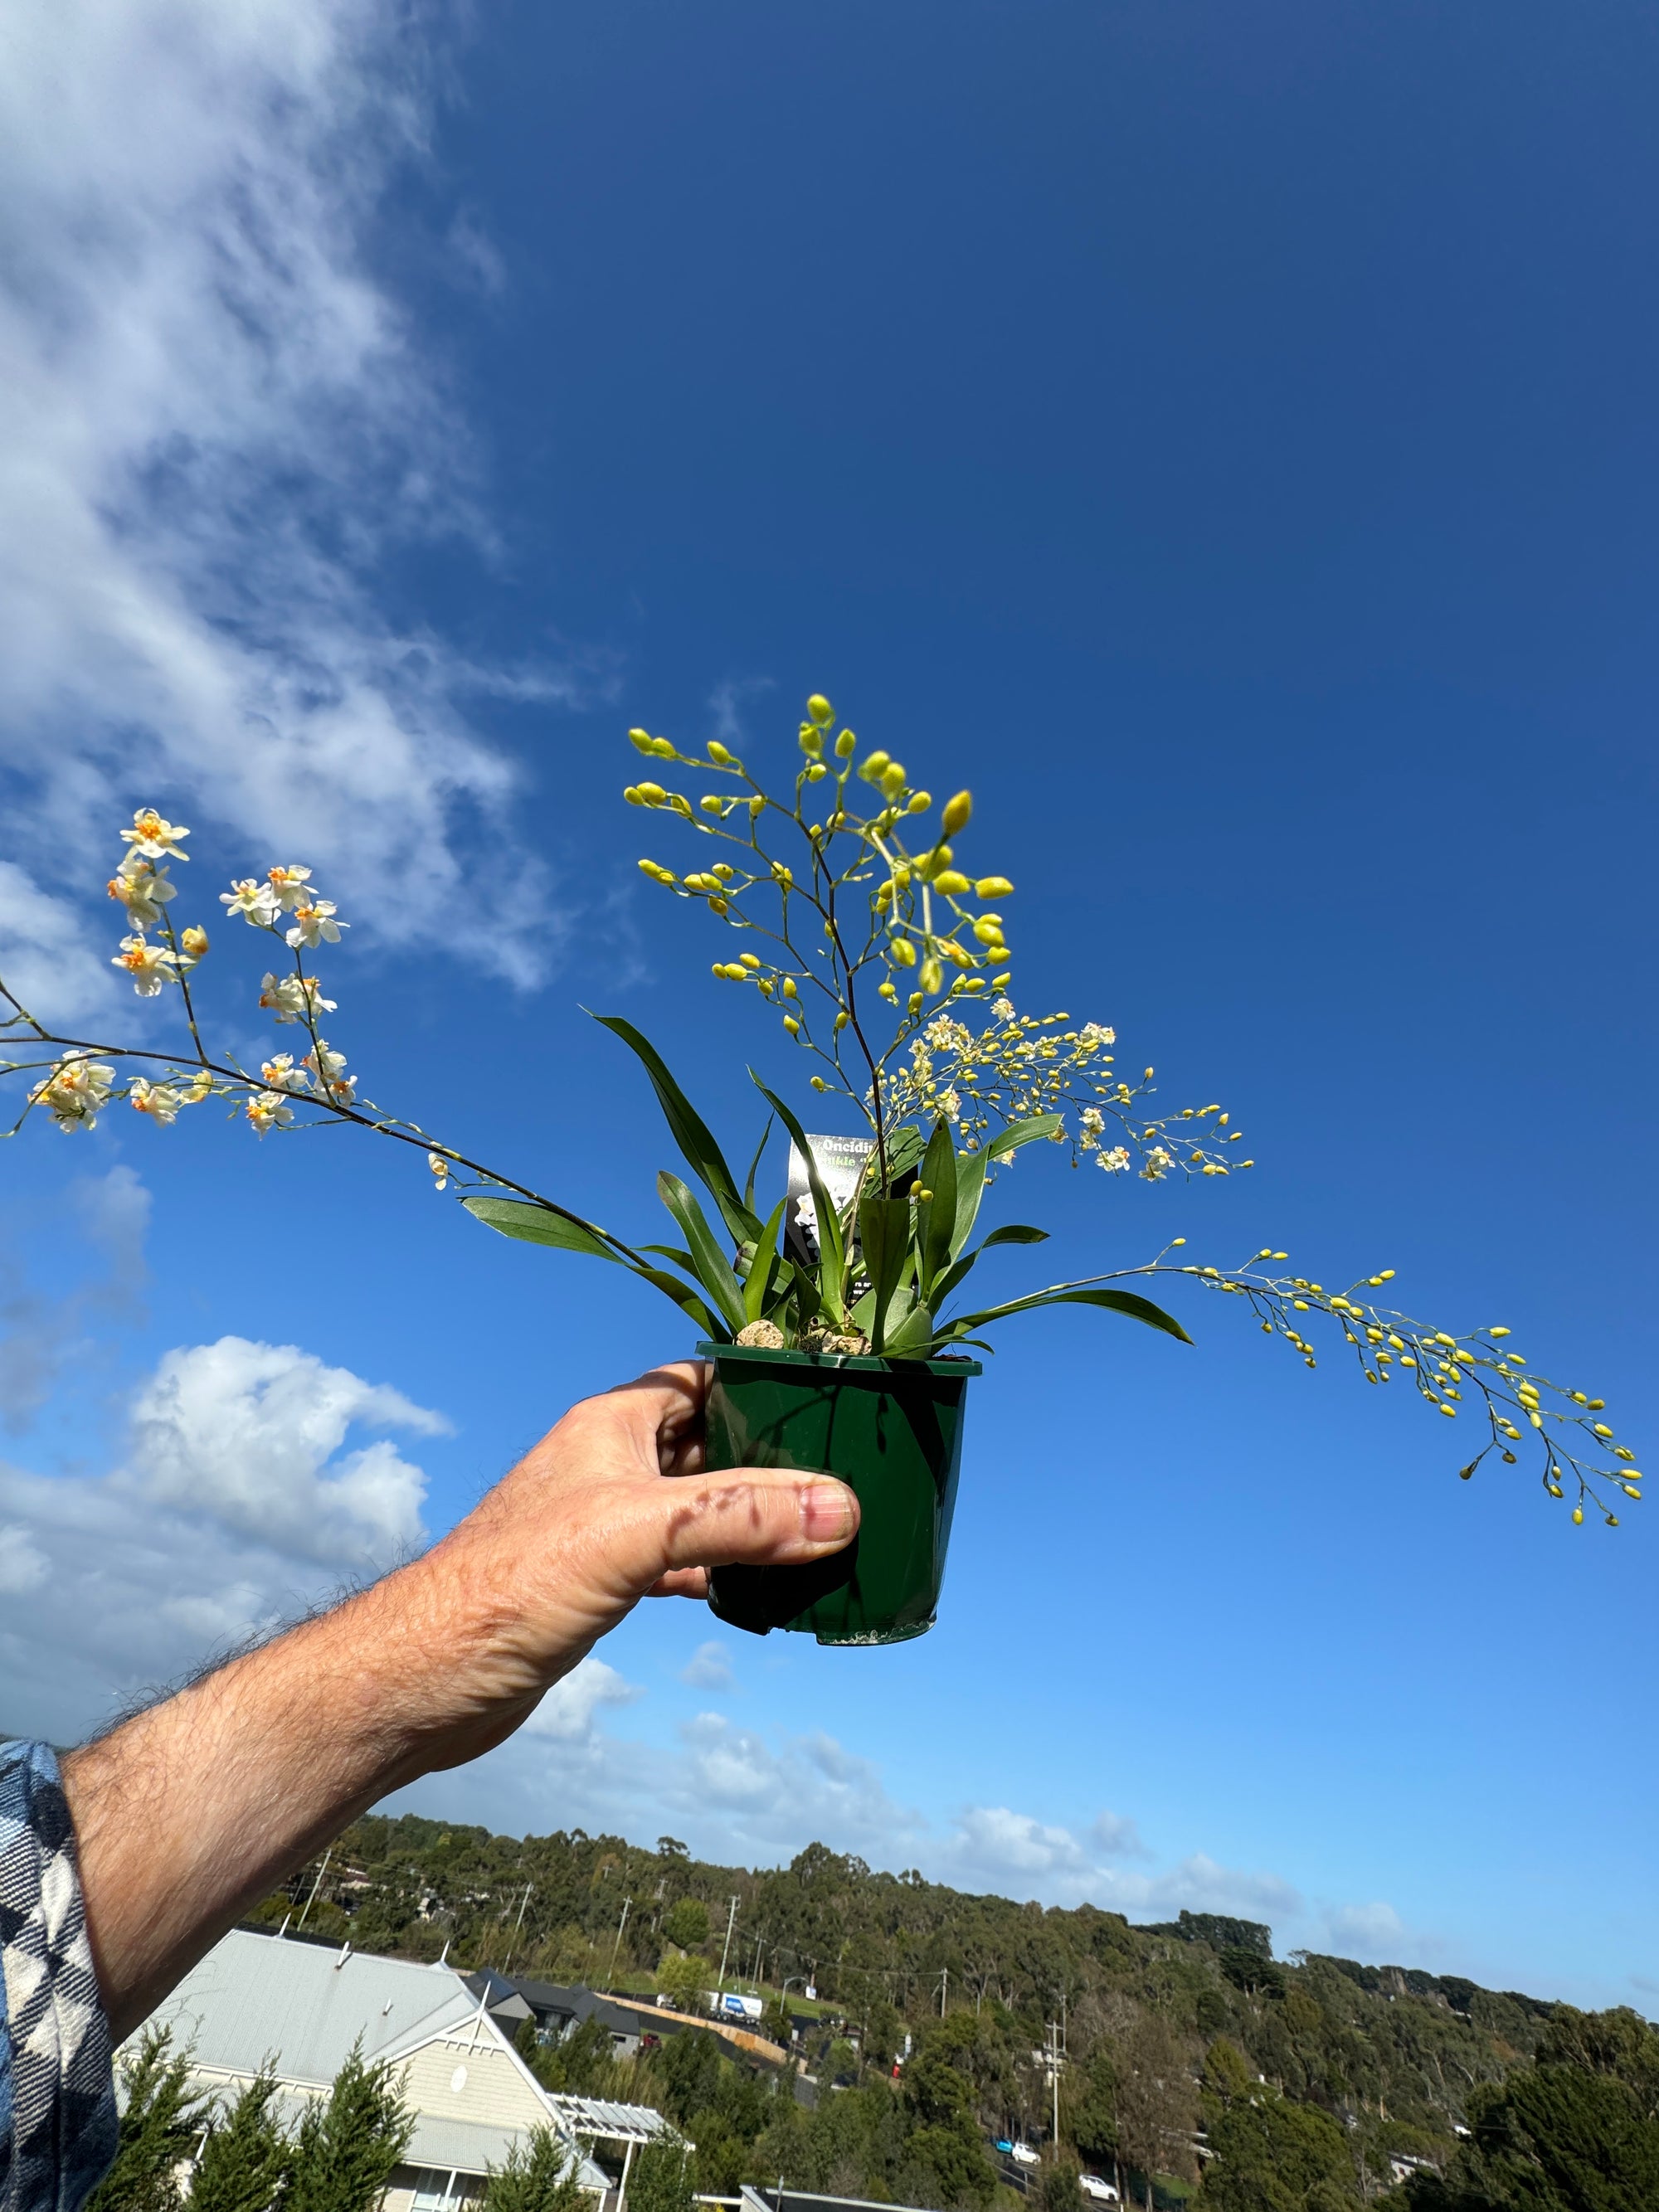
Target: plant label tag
(839, 1162)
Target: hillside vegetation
(1198, 2068)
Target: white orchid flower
(314, 924)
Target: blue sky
(1223, 440)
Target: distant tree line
(1200, 2070)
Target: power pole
(316, 1884)
(730, 1922)
(944, 1989)
(514, 1944)
(1056, 2060)
(616, 1946)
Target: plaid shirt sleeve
(57, 2119)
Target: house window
(433, 2190)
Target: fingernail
(827, 1510)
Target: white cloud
(42, 1333)
(23, 1565)
(236, 1506)
(1366, 1931)
(709, 1668)
(1114, 1836)
(247, 1434)
(570, 1711)
(220, 425)
(992, 1839)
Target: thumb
(752, 1516)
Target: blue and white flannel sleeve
(58, 2120)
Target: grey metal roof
(258, 1997)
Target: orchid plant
(888, 964)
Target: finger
(682, 1582)
(753, 1516)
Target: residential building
(304, 2007)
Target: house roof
(612, 2123)
(255, 1997)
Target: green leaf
(885, 1233)
(904, 1149)
(713, 1269)
(541, 1225)
(712, 1324)
(1015, 1232)
(1123, 1302)
(914, 1338)
(1023, 1133)
(936, 1216)
(832, 1251)
(754, 1164)
(758, 1280)
(970, 1190)
(691, 1132)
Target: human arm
(188, 1813)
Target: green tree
(1091, 2109)
(161, 2120)
(244, 2163)
(683, 1980)
(539, 2175)
(686, 1923)
(947, 2141)
(1060, 2191)
(1552, 2138)
(1273, 2156)
(349, 2145)
(687, 2072)
(661, 2179)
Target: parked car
(1003, 2144)
(1097, 2190)
(1023, 2154)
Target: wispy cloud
(709, 1668)
(221, 425)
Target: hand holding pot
(189, 1813)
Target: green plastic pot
(891, 1430)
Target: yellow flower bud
(951, 882)
(931, 976)
(719, 906)
(919, 802)
(655, 869)
(893, 778)
(631, 793)
(711, 804)
(845, 744)
(664, 748)
(791, 1025)
(816, 772)
(749, 959)
(640, 740)
(913, 1003)
(725, 871)
(902, 952)
(811, 739)
(988, 929)
(1630, 1491)
(788, 987)
(757, 808)
(842, 1018)
(957, 812)
(872, 769)
(818, 1084)
(1600, 1429)
(1498, 1332)
(781, 874)
(1597, 1405)
(820, 709)
(195, 941)
(885, 990)
(884, 897)
(651, 794)
(990, 887)
(999, 982)
(718, 753)
(1577, 1514)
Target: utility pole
(514, 1944)
(730, 1922)
(316, 1886)
(1056, 2058)
(616, 1946)
(944, 1989)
